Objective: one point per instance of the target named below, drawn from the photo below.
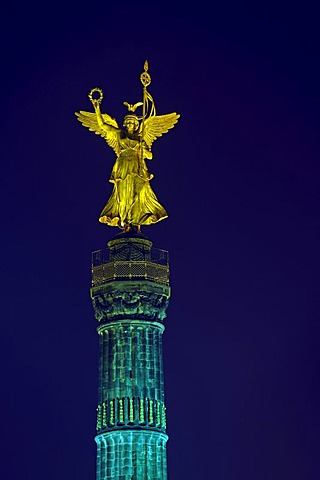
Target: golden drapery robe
(132, 200)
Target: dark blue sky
(239, 176)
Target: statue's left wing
(156, 126)
(90, 121)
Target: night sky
(239, 176)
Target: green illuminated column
(130, 293)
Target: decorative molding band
(131, 412)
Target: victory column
(130, 294)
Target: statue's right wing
(110, 134)
(155, 126)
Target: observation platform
(130, 257)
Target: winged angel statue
(132, 202)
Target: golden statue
(132, 202)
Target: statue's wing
(155, 126)
(89, 120)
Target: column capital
(121, 299)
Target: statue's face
(131, 125)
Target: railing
(130, 265)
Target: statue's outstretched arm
(101, 123)
(96, 106)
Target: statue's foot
(136, 228)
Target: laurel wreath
(100, 95)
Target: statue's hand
(146, 152)
(95, 103)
